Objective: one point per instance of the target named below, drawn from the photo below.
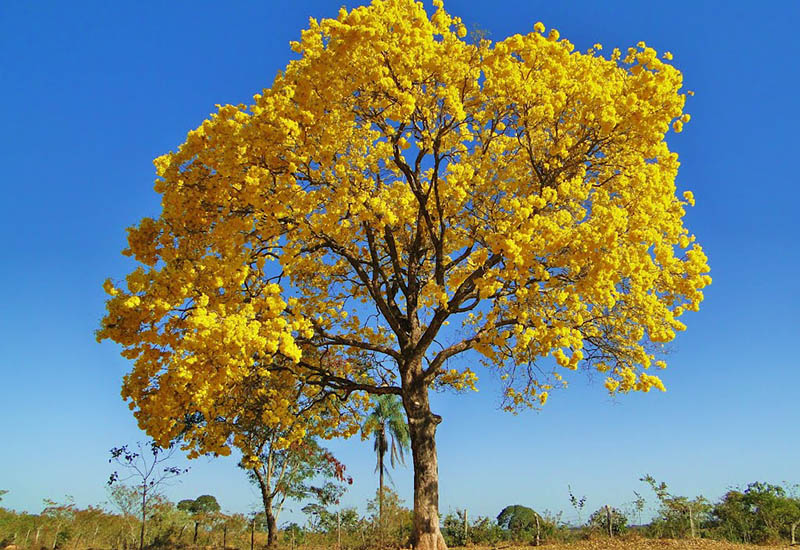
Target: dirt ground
(639, 544)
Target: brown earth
(637, 544)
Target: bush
(481, 531)
(599, 520)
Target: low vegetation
(758, 514)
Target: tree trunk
(608, 519)
(194, 538)
(794, 528)
(272, 528)
(144, 518)
(266, 500)
(422, 428)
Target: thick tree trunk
(422, 428)
(194, 538)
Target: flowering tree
(394, 179)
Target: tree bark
(272, 528)
(144, 517)
(422, 429)
(266, 499)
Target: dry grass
(635, 543)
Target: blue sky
(92, 91)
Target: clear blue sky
(91, 92)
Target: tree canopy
(395, 178)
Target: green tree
(201, 509)
(617, 525)
(677, 512)
(60, 516)
(520, 521)
(292, 472)
(760, 513)
(387, 423)
(395, 531)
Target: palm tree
(387, 422)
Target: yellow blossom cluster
(396, 177)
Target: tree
(395, 528)
(201, 509)
(282, 473)
(387, 423)
(577, 503)
(520, 520)
(678, 511)
(147, 470)
(394, 179)
(761, 513)
(61, 515)
(609, 520)
(280, 456)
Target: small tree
(577, 503)
(600, 519)
(147, 470)
(60, 515)
(201, 509)
(678, 512)
(520, 521)
(397, 519)
(288, 473)
(638, 506)
(390, 431)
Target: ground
(636, 544)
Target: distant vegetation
(759, 513)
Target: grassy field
(636, 544)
